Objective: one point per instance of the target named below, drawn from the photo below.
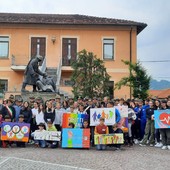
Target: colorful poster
(123, 110)
(107, 113)
(77, 119)
(47, 135)
(15, 131)
(75, 138)
(162, 119)
(116, 138)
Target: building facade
(58, 38)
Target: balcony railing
(19, 60)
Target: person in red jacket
(101, 129)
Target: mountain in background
(159, 85)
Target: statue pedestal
(44, 95)
(26, 95)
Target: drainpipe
(131, 58)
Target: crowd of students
(48, 115)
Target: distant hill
(159, 85)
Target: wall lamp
(53, 39)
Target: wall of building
(89, 39)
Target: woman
(49, 114)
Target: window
(69, 51)
(3, 85)
(108, 49)
(4, 46)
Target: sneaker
(151, 145)
(147, 142)
(136, 141)
(164, 147)
(168, 147)
(158, 145)
(142, 144)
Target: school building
(58, 38)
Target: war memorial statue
(32, 77)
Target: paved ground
(30, 158)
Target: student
(21, 120)
(51, 127)
(116, 130)
(101, 129)
(39, 117)
(71, 125)
(6, 144)
(40, 143)
(1, 121)
(85, 124)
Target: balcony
(19, 63)
(66, 64)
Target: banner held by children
(77, 119)
(75, 138)
(116, 138)
(15, 131)
(162, 119)
(107, 113)
(123, 110)
(48, 135)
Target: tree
(138, 80)
(89, 76)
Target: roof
(66, 19)
(160, 93)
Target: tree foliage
(138, 80)
(89, 76)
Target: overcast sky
(153, 41)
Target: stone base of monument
(26, 95)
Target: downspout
(130, 59)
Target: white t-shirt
(39, 118)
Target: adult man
(32, 73)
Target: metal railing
(58, 75)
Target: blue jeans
(101, 147)
(41, 143)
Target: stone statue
(32, 73)
(47, 84)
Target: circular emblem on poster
(15, 129)
(7, 128)
(10, 134)
(19, 135)
(25, 129)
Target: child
(21, 120)
(1, 120)
(51, 127)
(117, 130)
(85, 124)
(101, 129)
(6, 144)
(40, 143)
(71, 125)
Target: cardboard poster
(75, 138)
(47, 135)
(123, 110)
(107, 113)
(162, 119)
(77, 119)
(109, 139)
(11, 131)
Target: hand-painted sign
(77, 119)
(75, 138)
(116, 138)
(107, 113)
(162, 119)
(47, 135)
(123, 110)
(15, 131)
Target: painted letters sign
(162, 119)
(47, 135)
(15, 131)
(107, 113)
(75, 138)
(77, 119)
(123, 110)
(109, 139)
